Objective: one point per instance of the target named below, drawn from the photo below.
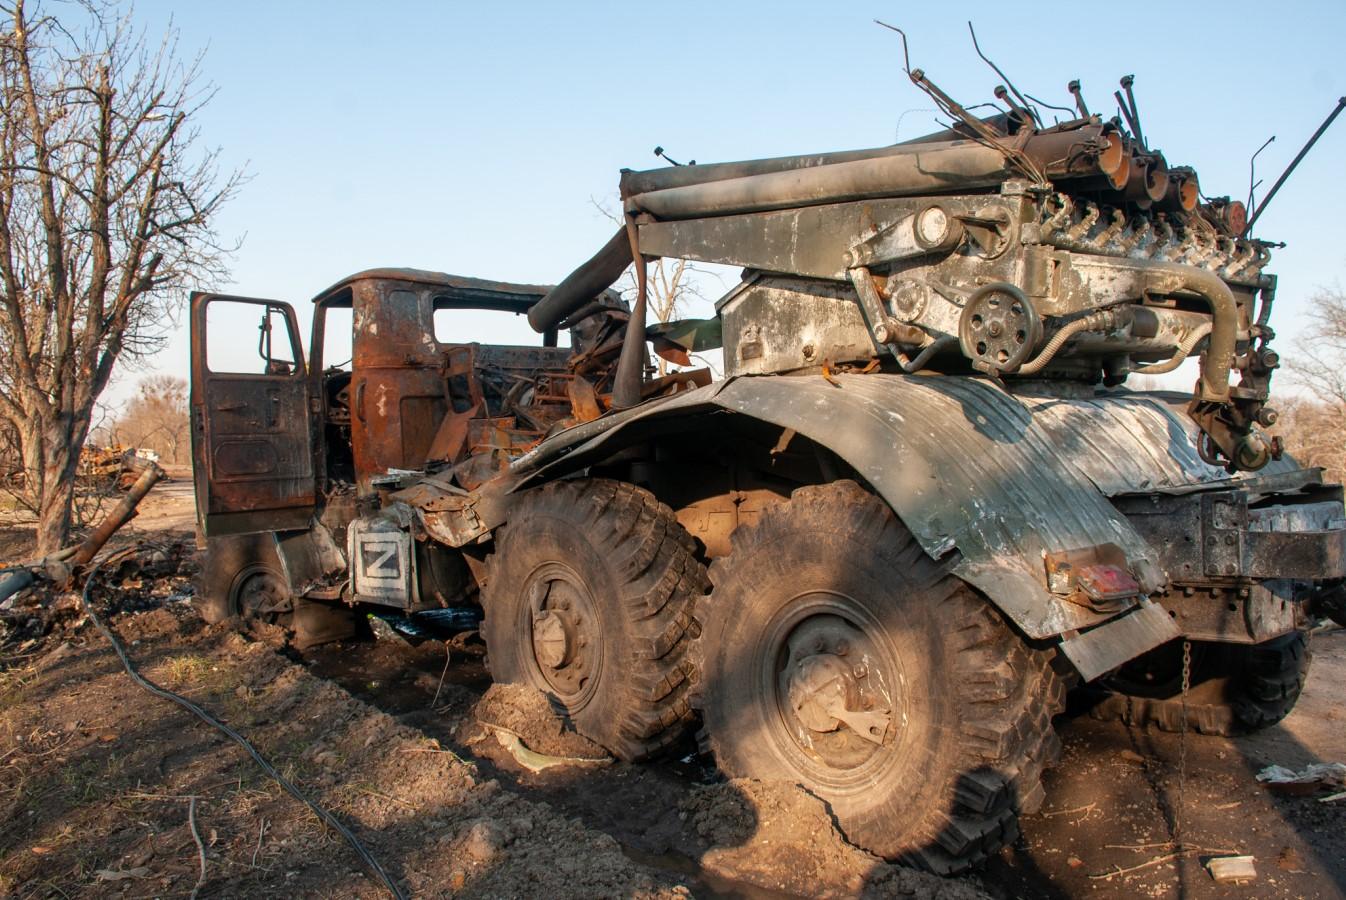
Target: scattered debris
(1289, 860)
(121, 874)
(383, 631)
(1313, 778)
(1231, 869)
(539, 762)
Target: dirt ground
(97, 776)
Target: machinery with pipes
(920, 505)
(999, 246)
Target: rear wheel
(1233, 688)
(591, 597)
(840, 657)
(241, 577)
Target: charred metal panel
(381, 561)
(782, 324)
(1241, 613)
(251, 439)
(960, 461)
(810, 241)
(1130, 443)
(1214, 537)
(1121, 640)
(309, 558)
(406, 383)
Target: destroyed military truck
(870, 560)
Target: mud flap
(1108, 646)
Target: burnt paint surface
(251, 444)
(260, 444)
(405, 382)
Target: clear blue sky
(469, 138)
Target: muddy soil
(98, 781)
(1110, 803)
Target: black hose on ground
(210, 720)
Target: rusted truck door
(252, 445)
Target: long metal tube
(1169, 278)
(920, 169)
(122, 513)
(633, 182)
(626, 383)
(927, 353)
(1044, 148)
(583, 284)
(935, 168)
(15, 581)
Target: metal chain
(1182, 745)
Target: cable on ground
(210, 720)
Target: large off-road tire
(828, 603)
(241, 578)
(1234, 688)
(591, 596)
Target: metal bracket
(1224, 522)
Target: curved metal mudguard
(965, 465)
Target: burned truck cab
(408, 373)
(408, 370)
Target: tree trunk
(51, 463)
(54, 515)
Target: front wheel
(591, 597)
(840, 657)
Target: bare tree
(1315, 425)
(156, 419)
(107, 209)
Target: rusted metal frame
(442, 282)
(243, 501)
(1206, 538)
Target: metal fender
(963, 464)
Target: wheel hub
(566, 632)
(819, 685)
(262, 596)
(834, 693)
(552, 642)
